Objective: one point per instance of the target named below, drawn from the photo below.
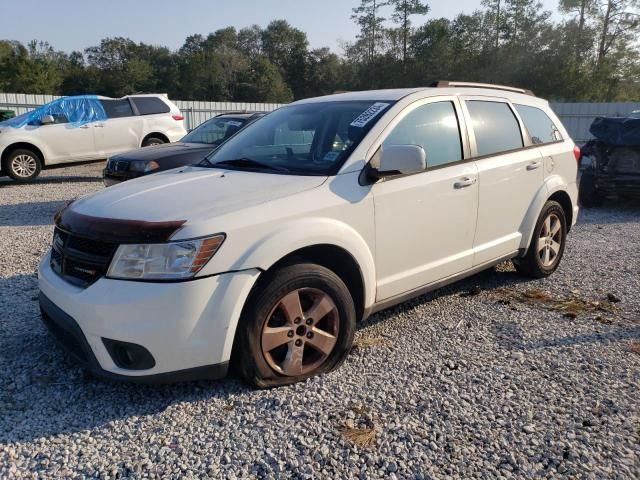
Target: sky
(76, 24)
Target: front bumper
(187, 327)
(112, 178)
(618, 184)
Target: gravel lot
(497, 376)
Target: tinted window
(150, 105)
(435, 128)
(495, 126)
(540, 127)
(215, 130)
(117, 108)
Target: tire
(588, 195)
(22, 165)
(536, 263)
(272, 316)
(150, 141)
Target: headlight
(164, 261)
(143, 166)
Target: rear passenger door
(510, 173)
(120, 132)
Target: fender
(551, 185)
(25, 139)
(301, 233)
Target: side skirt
(403, 297)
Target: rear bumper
(68, 334)
(618, 184)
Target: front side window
(495, 126)
(117, 108)
(540, 127)
(304, 139)
(435, 128)
(214, 131)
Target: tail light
(177, 118)
(577, 153)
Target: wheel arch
(22, 145)
(155, 134)
(554, 188)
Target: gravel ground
(476, 380)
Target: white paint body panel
(403, 232)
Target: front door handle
(84, 126)
(534, 165)
(99, 125)
(465, 182)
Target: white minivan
(268, 252)
(83, 128)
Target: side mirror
(399, 160)
(47, 120)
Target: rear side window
(540, 127)
(495, 126)
(117, 108)
(150, 105)
(435, 128)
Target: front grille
(79, 260)
(118, 166)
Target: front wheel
(547, 243)
(22, 165)
(299, 323)
(588, 194)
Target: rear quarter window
(495, 126)
(540, 127)
(150, 105)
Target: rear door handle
(465, 182)
(534, 165)
(99, 125)
(84, 126)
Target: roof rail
(233, 112)
(446, 84)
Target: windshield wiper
(249, 163)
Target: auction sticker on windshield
(369, 114)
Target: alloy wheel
(24, 166)
(549, 241)
(300, 332)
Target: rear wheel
(22, 165)
(150, 141)
(588, 194)
(547, 244)
(299, 323)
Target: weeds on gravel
(633, 347)
(368, 342)
(361, 437)
(570, 306)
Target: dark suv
(192, 148)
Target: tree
(403, 10)
(371, 25)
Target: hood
(158, 152)
(188, 193)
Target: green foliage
(591, 54)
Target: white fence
(194, 112)
(576, 117)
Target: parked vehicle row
(192, 148)
(83, 128)
(269, 251)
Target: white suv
(82, 128)
(307, 221)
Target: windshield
(214, 131)
(305, 139)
